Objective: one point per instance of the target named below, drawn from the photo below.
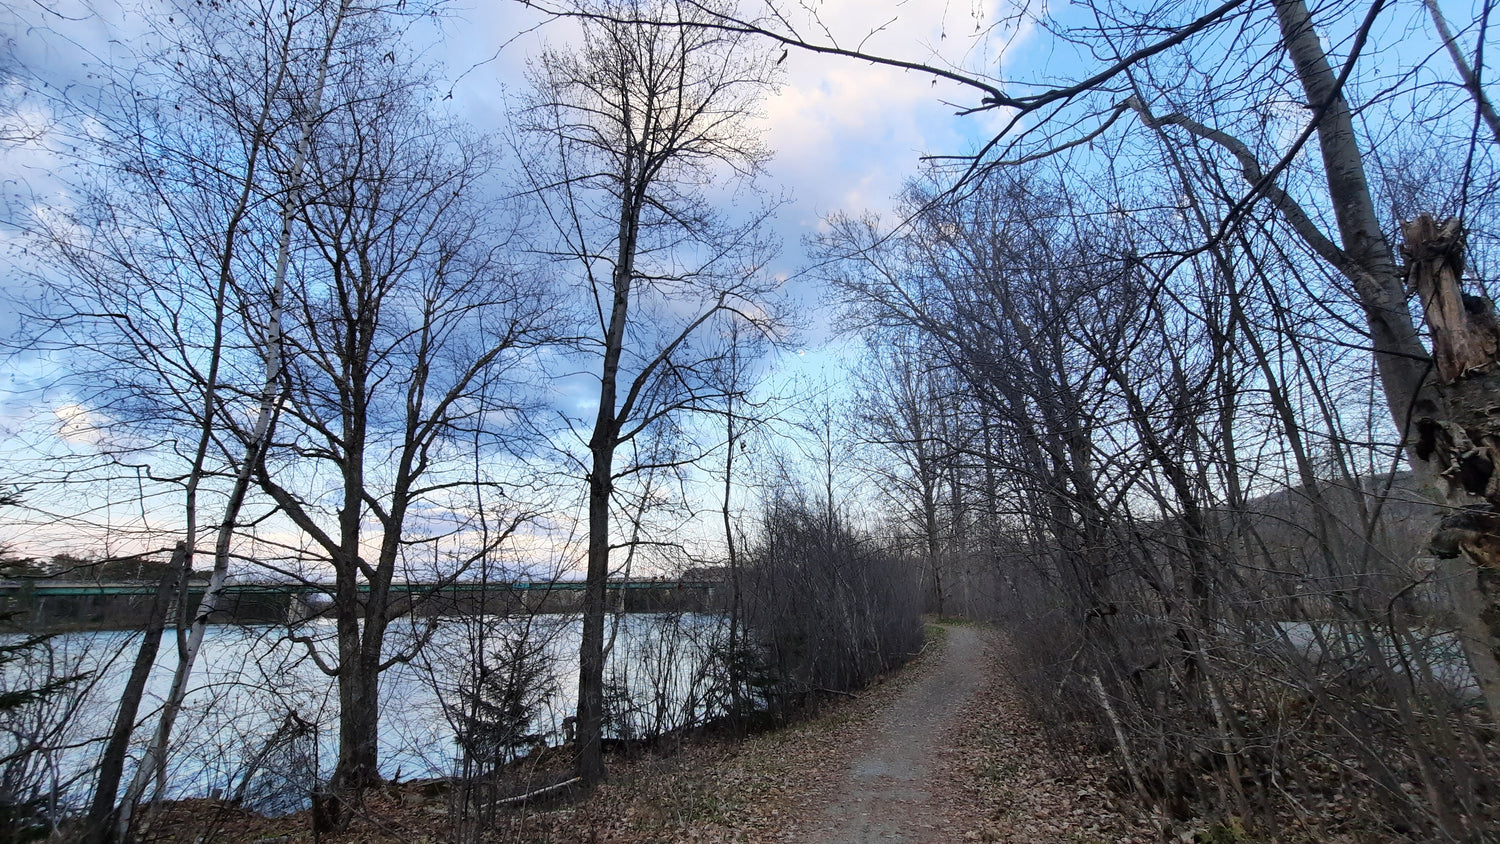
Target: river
(252, 683)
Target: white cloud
(77, 424)
(847, 132)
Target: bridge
(59, 604)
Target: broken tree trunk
(1457, 431)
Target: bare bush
(827, 609)
(41, 690)
(1199, 541)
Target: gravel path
(943, 751)
(886, 792)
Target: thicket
(825, 609)
(1169, 486)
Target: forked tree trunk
(1363, 254)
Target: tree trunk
(154, 762)
(590, 736)
(930, 528)
(735, 670)
(1399, 355)
(112, 765)
(602, 444)
(1446, 426)
(359, 729)
(359, 715)
(1462, 445)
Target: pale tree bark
(97, 825)
(153, 763)
(156, 281)
(1363, 254)
(1466, 72)
(1399, 354)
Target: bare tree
(308, 209)
(826, 607)
(903, 405)
(211, 71)
(1233, 190)
(150, 285)
(406, 326)
(1222, 451)
(1166, 66)
(630, 131)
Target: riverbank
(939, 751)
(943, 750)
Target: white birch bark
(153, 763)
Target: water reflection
(261, 719)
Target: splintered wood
(1465, 335)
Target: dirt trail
(887, 791)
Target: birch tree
(164, 283)
(296, 273)
(282, 60)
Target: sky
(844, 134)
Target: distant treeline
(146, 568)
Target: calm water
(1332, 643)
(247, 680)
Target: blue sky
(845, 135)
